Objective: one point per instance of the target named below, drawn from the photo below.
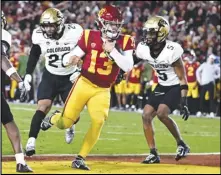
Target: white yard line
(117, 155)
(203, 134)
(30, 109)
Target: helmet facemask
(52, 23)
(111, 29)
(150, 36)
(155, 31)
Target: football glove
(27, 81)
(184, 108)
(23, 91)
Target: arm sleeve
(125, 62)
(33, 58)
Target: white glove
(75, 75)
(27, 81)
(23, 91)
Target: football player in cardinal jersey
(165, 57)
(134, 86)
(104, 52)
(53, 40)
(191, 66)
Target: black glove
(120, 77)
(23, 91)
(184, 108)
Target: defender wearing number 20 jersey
(163, 63)
(54, 51)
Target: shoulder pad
(37, 35)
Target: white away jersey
(54, 50)
(163, 63)
(6, 36)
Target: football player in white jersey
(6, 115)
(165, 57)
(52, 40)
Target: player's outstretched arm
(180, 71)
(8, 68)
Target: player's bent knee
(64, 123)
(162, 114)
(147, 117)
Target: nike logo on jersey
(66, 43)
(159, 93)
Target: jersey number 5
(162, 75)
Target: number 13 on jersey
(103, 66)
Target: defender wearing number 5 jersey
(103, 53)
(165, 58)
(53, 41)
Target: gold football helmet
(155, 30)
(52, 22)
(4, 22)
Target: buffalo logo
(93, 45)
(101, 12)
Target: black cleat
(151, 158)
(46, 124)
(29, 152)
(182, 151)
(80, 164)
(23, 168)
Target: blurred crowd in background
(194, 24)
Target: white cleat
(69, 134)
(30, 147)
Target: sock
(154, 151)
(19, 157)
(35, 123)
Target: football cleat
(20, 168)
(30, 147)
(151, 158)
(46, 124)
(69, 134)
(182, 151)
(80, 164)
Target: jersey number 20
(53, 58)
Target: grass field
(121, 134)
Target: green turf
(121, 134)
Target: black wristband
(184, 101)
(183, 86)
